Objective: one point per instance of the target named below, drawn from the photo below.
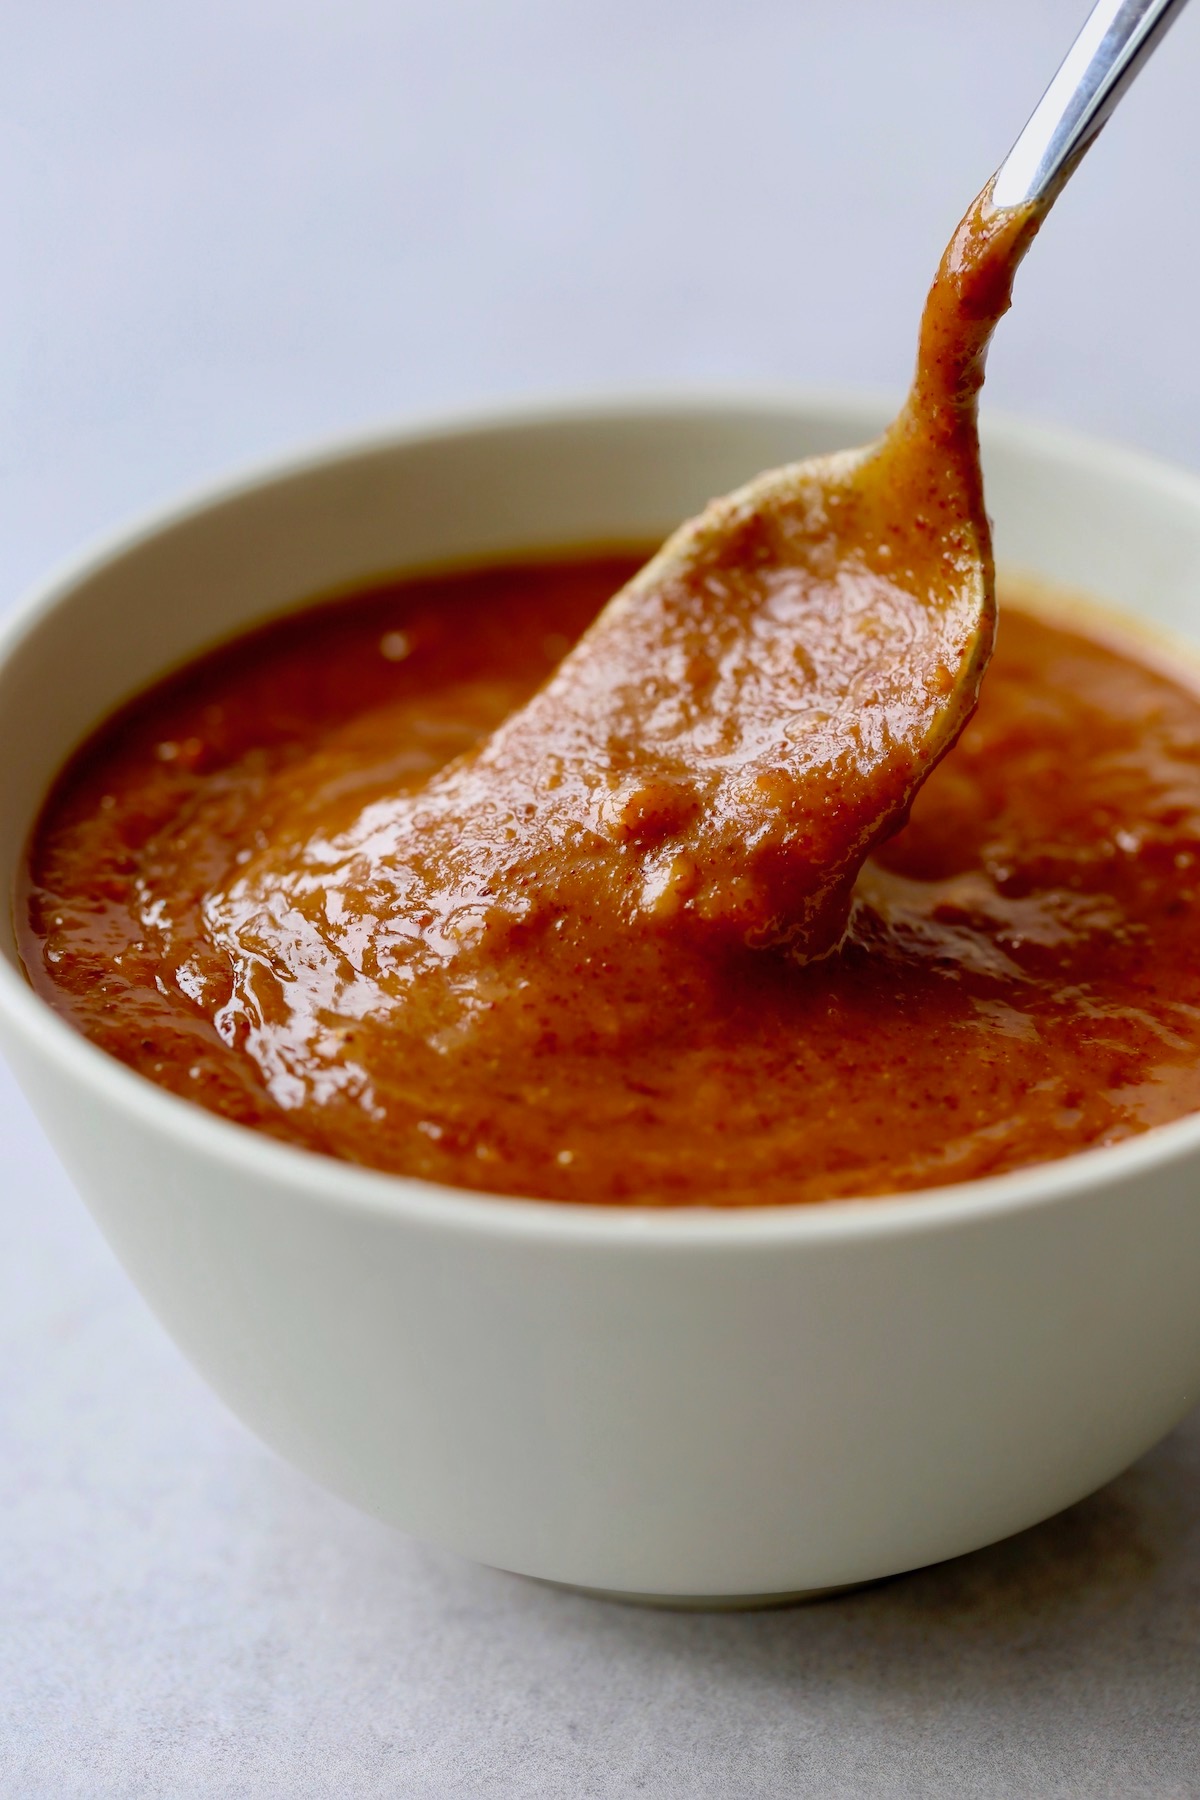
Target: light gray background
(229, 226)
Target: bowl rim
(347, 1186)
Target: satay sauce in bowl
(810, 1275)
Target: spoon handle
(1114, 43)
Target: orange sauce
(1019, 977)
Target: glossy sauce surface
(1019, 978)
(705, 771)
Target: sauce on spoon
(703, 775)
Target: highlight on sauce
(1018, 977)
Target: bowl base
(708, 1602)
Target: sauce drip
(709, 767)
(1019, 979)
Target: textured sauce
(1019, 977)
(711, 764)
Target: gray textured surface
(230, 227)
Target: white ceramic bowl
(673, 1404)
